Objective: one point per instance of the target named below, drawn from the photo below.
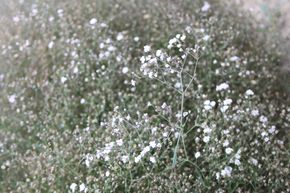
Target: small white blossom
(63, 79)
(12, 98)
(152, 144)
(222, 86)
(73, 187)
(82, 101)
(234, 58)
(205, 7)
(125, 70)
(93, 21)
(229, 150)
(197, 155)
(119, 37)
(82, 187)
(50, 45)
(226, 143)
(147, 48)
(227, 171)
(206, 139)
(255, 113)
(249, 92)
(152, 159)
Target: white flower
(137, 159)
(237, 162)
(50, 45)
(82, 101)
(222, 86)
(89, 158)
(119, 142)
(125, 158)
(16, 19)
(227, 102)
(82, 187)
(206, 139)
(73, 187)
(12, 98)
(226, 143)
(152, 144)
(206, 38)
(158, 53)
(272, 129)
(263, 119)
(63, 79)
(229, 150)
(255, 113)
(119, 37)
(234, 58)
(207, 130)
(227, 171)
(254, 161)
(182, 38)
(217, 175)
(152, 159)
(205, 7)
(145, 150)
(93, 21)
(136, 39)
(107, 173)
(147, 48)
(208, 105)
(125, 70)
(249, 92)
(197, 155)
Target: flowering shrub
(128, 96)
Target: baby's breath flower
(147, 48)
(197, 155)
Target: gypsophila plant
(139, 96)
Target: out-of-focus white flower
(152, 159)
(222, 86)
(119, 37)
(136, 39)
(147, 48)
(82, 187)
(205, 7)
(125, 70)
(12, 98)
(137, 159)
(228, 102)
(263, 119)
(234, 58)
(73, 187)
(255, 113)
(253, 161)
(152, 144)
(16, 19)
(197, 155)
(158, 53)
(229, 150)
(206, 38)
(63, 79)
(119, 142)
(206, 139)
(249, 92)
(227, 171)
(125, 158)
(226, 143)
(50, 44)
(82, 101)
(93, 21)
